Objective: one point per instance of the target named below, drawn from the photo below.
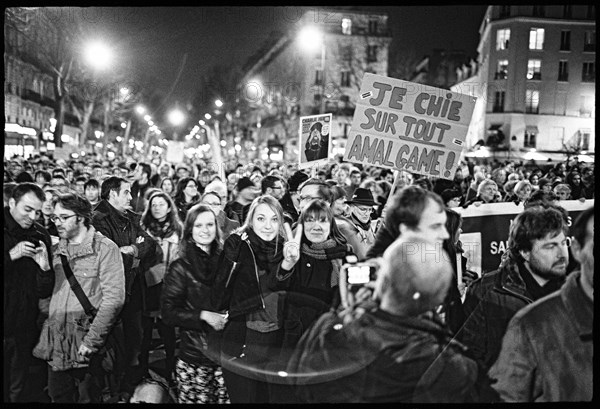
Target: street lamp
(98, 55)
(310, 39)
(176, 117)
(219, 103)
(140, 110)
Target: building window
(532, 101)
(567, 11)
(346, 53)
(502, 38)
(502, 71)
(585, 109)
(589, 41)
(534, 70)
(371, 53)
(346, 26)
(565, 40)
(318, 77)
(536, 39)
(373, 26)
(585, 139)
(499, 101)
(588, 73)
(345, 78)
(504, 11)
(591, 11)
(529, 139)
(539, 11)
(563, 70)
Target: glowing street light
(176, 117)
(201, 122)
(98, 55)
(310, 38)
(140, 110)
(150, 123)
(219, 103)
(207, 116)
(147, 118)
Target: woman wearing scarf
(251, 258)
(186, 303)
(187, 196)
(161, 222)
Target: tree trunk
(88, 108)
(59, 112)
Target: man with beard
(75, 374)
(533, 266)
(547, 352)
(317, 144)
(28, 277)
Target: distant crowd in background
(244, 267)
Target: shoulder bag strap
(76, 287)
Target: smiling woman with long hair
(251, 258)
(186, 303)
(187, 195)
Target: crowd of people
(243, 272)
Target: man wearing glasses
(75, 375)
(361, 206)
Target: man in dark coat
(28, 277)
(533, 266)
(140, 185)
(113, 218)
(392, 352)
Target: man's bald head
(414, 277)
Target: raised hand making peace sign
(291, 248)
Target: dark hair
(91, 183)
(27, 187)
(77, 204)
(318, 208)
(110, 184)
(407, 207)
(81, 179)
(212, 192)
(181, 185)
(453, 222)
(188, 227)
(540, 198)
(45, 174)
(324, 188)
(578, 230)
(268, 182)
(534, 224)
(146, 169)
(23, 177)
(172, 216)
(424, 182)
(337, 192)
(58, 172)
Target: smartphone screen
(359, 274)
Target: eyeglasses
(62, 219)
(309, 198)
(363, 209)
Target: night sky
(151, 42)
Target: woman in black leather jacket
(185, 302)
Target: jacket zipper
(522, 297)
(257, 279)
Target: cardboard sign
(314, 140)
(175, 152)
(485, 230)
(63, 153)
(408, 126)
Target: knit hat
(449, 194)
(296, 180)
(243, 183)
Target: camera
(357, 274)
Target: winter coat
(378, 357)
(361, 240)
(186, 293)
(490, 303)
(24, 282)
(124, 229)
(98, 267)
(168, 251)
(548, 352)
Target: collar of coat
(578, 305)
(510, 275)
(85, 248)
(105, 209)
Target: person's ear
(12, 203)
(576, 250)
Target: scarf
(328, 250)
(160, 229)
(366, 226)
(267, 253)
(204, 264)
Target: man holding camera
(28, 277)
(389, 351)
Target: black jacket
(491, 302)
(24, 281)
(185, 294)
(137, 196)
(124, 229)
(378, 357)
